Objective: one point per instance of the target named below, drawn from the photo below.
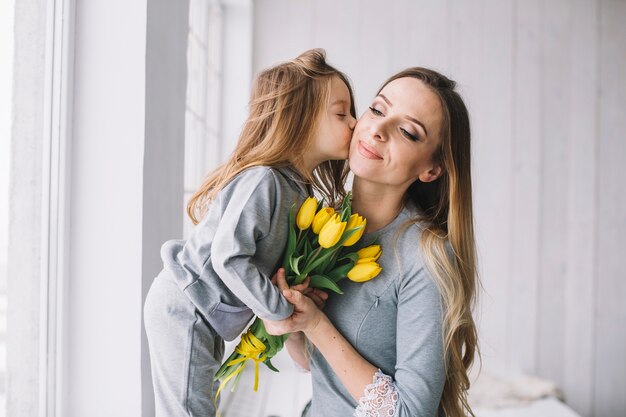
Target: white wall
(23, 269)
(107, 200)
(544, 84)
(125, 185)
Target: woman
(401, 344)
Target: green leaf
(330, 264)
(302, 241)
(269, 365)
(373, 242)
(326, 254)
(340, 272)
(295, 264)
(311, 256)
(235, 383)
(320, 204)
(226, 370)
(320, 281)
(291, 241)
(346, 209)
(274, 344)
(352, 256)
(299, 279)
(308, 248)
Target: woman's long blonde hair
(448, 238)
(285, 105)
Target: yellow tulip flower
(331, 232)
(306, 213)
(355, 221)
(372, 252)
(321, 218)
(362, 272)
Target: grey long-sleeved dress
(395, 322)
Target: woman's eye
(376, 111)
(409, 135)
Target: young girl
(296, 139)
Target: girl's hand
(318, 296)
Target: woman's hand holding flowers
(318, 296)
(306, 315)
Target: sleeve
(380, 398)
(246, 219)
(419, 376)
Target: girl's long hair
(448, 238)
(285, 105)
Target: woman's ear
(432, 174)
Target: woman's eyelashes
(376, 111)
(411, 136)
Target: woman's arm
(296, 342)
(296, 347)
(417, 384)
(352, 369)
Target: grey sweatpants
(185, 353)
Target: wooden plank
(492, 176)
(526, 186)
(374, 49)
(282, 31)
(579, 305)
(555, 143)
(335, 27)
(420, 33)
(610, 346)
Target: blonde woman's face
(332, 139)
(395, 139)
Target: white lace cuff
(379, 399)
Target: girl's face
(395, 139)
(332, 139)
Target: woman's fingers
(319, 302)
(302, 287)
(279, 279)
(297, 299)
(320, 293)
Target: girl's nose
(352, 123)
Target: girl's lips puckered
(368, 152)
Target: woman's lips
(368, 152)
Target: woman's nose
(377, 131)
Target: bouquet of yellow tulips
(319, 246)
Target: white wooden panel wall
(545, 85)
(609, 193)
